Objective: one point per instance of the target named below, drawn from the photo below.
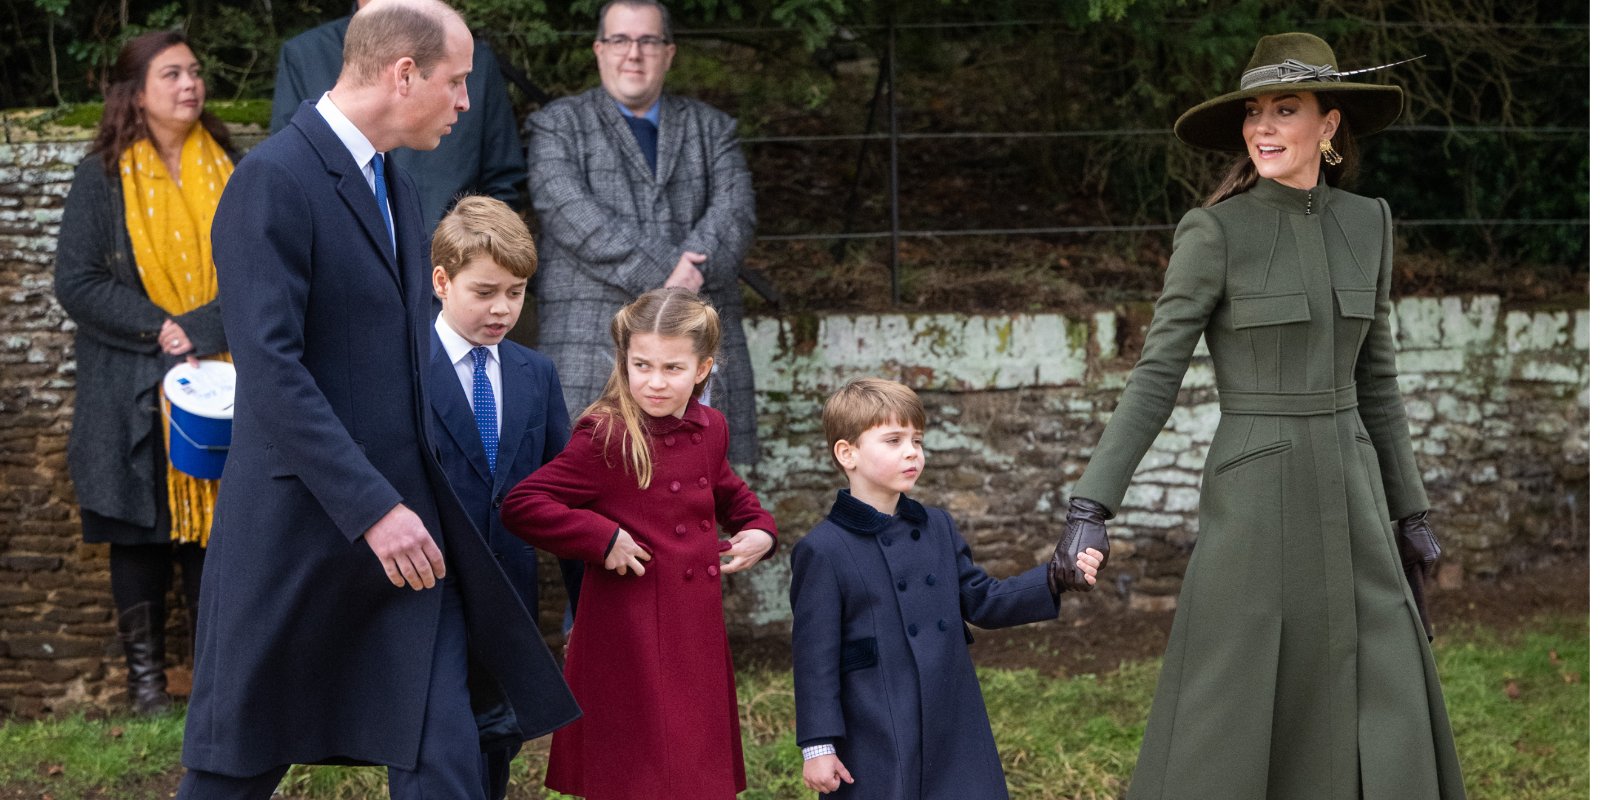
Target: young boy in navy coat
(887, 700)
(498, 413)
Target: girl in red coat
(641, 490)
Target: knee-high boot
(144, 645)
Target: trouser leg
(202, 785)
(449, 763)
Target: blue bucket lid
(204, 391)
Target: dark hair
(666, 16)
(1241, 175)
(123, 123)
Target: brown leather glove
(1086, 528)
(1419, 549)
(1417, 543)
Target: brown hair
(481, 225)
(1241, 175)
(123, 122)
(383, 33)
(662, 312)
(666, 16)
(866, 403)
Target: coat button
(942, 626)
(705, 524)
(703, 482)
(681, 530)
(670, 440)
(915, 534)
(713, 570)
(928, 580)
(674, 486)
(696, 438)
(900, 584)
(497, 501)
(688, 574)
(912, 629)
(886, 540)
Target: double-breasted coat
(611, 229)
(1297, 665)
(306, 652)
(881, 668)
(648, 657)
(115, 452)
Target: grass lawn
(1519, 703)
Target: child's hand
(824, 773)
(1089, 563)
(626, 554)
(746, 548)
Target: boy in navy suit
(498, 413)
(882, 591)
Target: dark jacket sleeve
(114, 312)
(818, 610)
(728, 225)
(557, 426)
(1000, 603)
(1378, 397)
(501, 163)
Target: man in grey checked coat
(636, 190)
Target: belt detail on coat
(1290, 404)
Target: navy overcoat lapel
(352, 184)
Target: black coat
(881, 668)
(119, 362)
(306, 652)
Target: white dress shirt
(459, 351)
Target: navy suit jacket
(482, 154)
(306, 653)
(534, 429)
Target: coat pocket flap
(1357, 303)
(1256, 310)
(858, 654)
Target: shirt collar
(456, 346)
(353, 139)
(653, 115)
(857, 517)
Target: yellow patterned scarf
(169, 223)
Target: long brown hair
(123, 123)
(1241, 174)
(665, 313)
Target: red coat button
(674, 486)
(681, 530)
(695, 438)
(705, 525)
(704, 482)
(688, 574)
(670, 440)
(713, 570)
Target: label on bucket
(205, 391)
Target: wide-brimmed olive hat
(1290, 62)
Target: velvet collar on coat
(1290, 199)
(858, 517)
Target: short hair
(385, 32)
(864, 404)
(481, 225)
(666, 16)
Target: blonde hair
(864, 404)
(385, 32)
(481, 225)
(666, 313)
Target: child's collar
(694, 415)
(858, 517)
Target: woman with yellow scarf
(134, 272)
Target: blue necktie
(645, 133)
(380, 190)
(483, 406)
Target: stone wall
(1498, 400)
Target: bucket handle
(167, 415)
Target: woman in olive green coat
(1298, 665)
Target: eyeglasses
(621, 44)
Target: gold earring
(1329, 155)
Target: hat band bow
(1290, 71)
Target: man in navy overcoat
(353, 613)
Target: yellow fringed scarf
(169, 224)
